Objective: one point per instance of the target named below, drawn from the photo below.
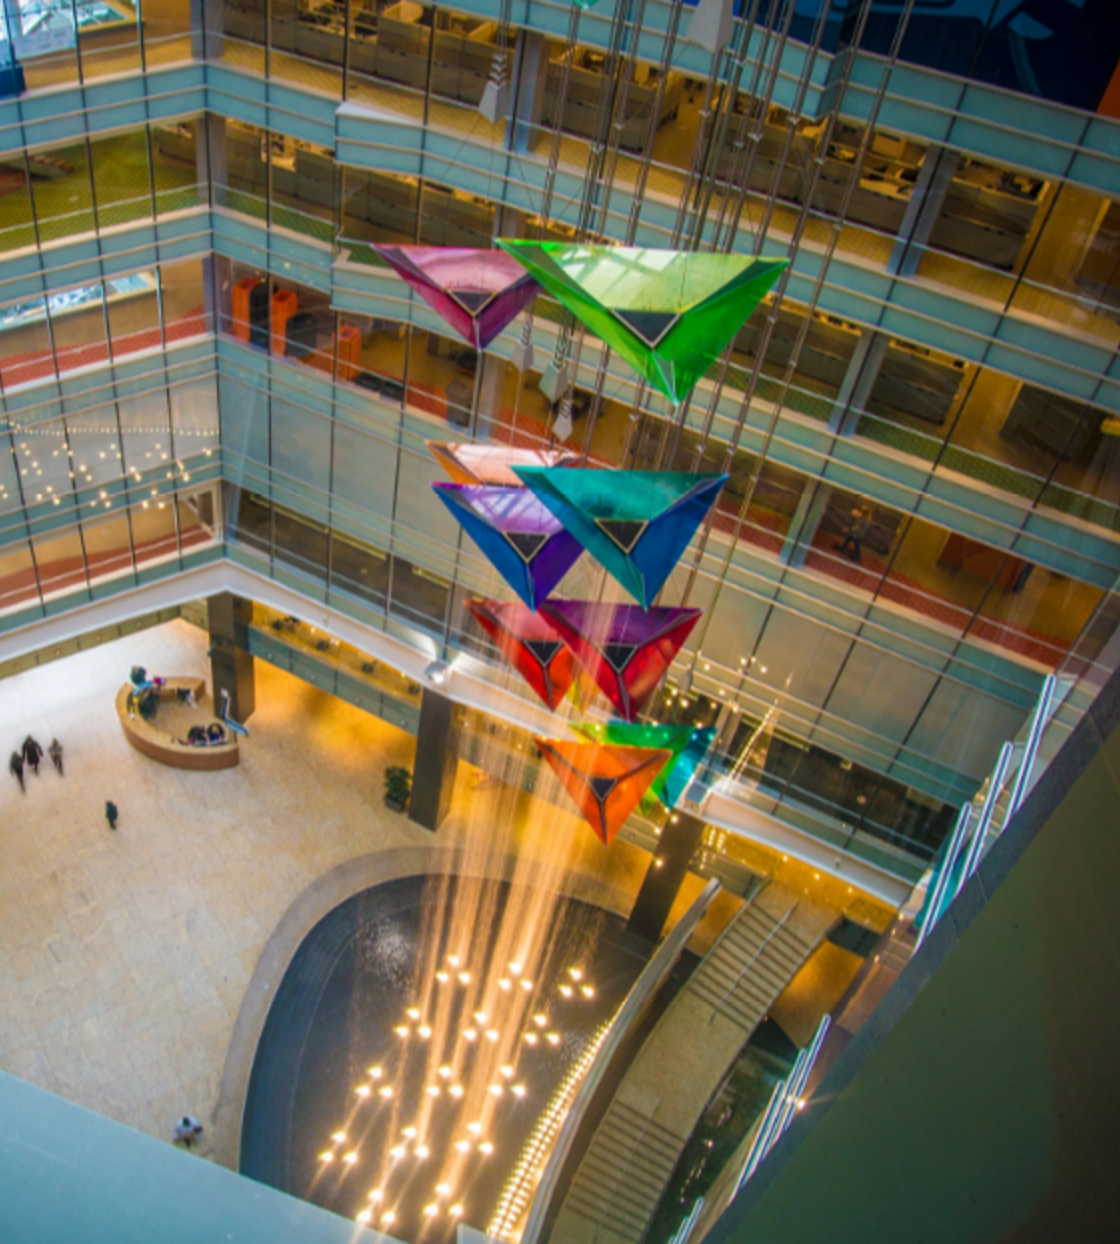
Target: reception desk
(154, 741)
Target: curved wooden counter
(148, 738)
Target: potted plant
(398, 788)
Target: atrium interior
(449, 891)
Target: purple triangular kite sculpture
(522, 539)
(478, 292)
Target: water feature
(416, 1041)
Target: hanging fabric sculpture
(478, 292)
(530, 645)
(687, 746)
(470, 463)
(636, 524)
(524, 542)
(625, 649)
(606, 783)
(670, 314)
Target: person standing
(111, 813)
(857, 530)
(32, 753)
(187, 1129)
(15, 768)
(54, 751)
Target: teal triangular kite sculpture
(636, 524)
(668, 313)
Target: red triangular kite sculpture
(532, 647)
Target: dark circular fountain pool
(409, 1063)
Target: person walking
(32, 753)
(111, 813)
(187, 1129)
(54, 751)
(854, 536)
(15, 768)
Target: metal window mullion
(77, 44)
(346, 47)
(31, 204)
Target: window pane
(419, 597)
(175, 164)
(184, 299)
(18, 587)
(78, 327)
(359, 570)
(197, 519)
(60, 563)
(95, 447)
(108, 548)
(121, 178)
(146, 434)
(133, 310)
(301, 544)
(246, 169)
(301, 449)
(60, 185)
(167, 27)
(25, 343)
(153, 530)
(108, 37)
(453, 218)
(16, 229)
(194, 417)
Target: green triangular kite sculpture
(636, 524)
(673, 739)
(668, 313)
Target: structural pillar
(680, 837)
(491, 385)
(530, 79)
(928, 197)
(859, 380)
(231, 666)
(807, 517)
(437, 760)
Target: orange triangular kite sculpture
(606, 782)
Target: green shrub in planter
(398, 788)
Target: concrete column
(210, 153)
(530, 77)
(437, 760)
(859, 380)
(231, 666)
(806, 519)
(928, 197)
(679, 840)
(198, 34)
(491, 383)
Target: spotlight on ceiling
(437, 672)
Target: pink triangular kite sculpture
(478, 292)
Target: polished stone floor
(125, 957)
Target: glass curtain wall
(97, 185)
(958, 585)
(68, 42)
(82, 327)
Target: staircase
(626, 1167)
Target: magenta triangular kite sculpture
(625, 648)
(478, 292)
